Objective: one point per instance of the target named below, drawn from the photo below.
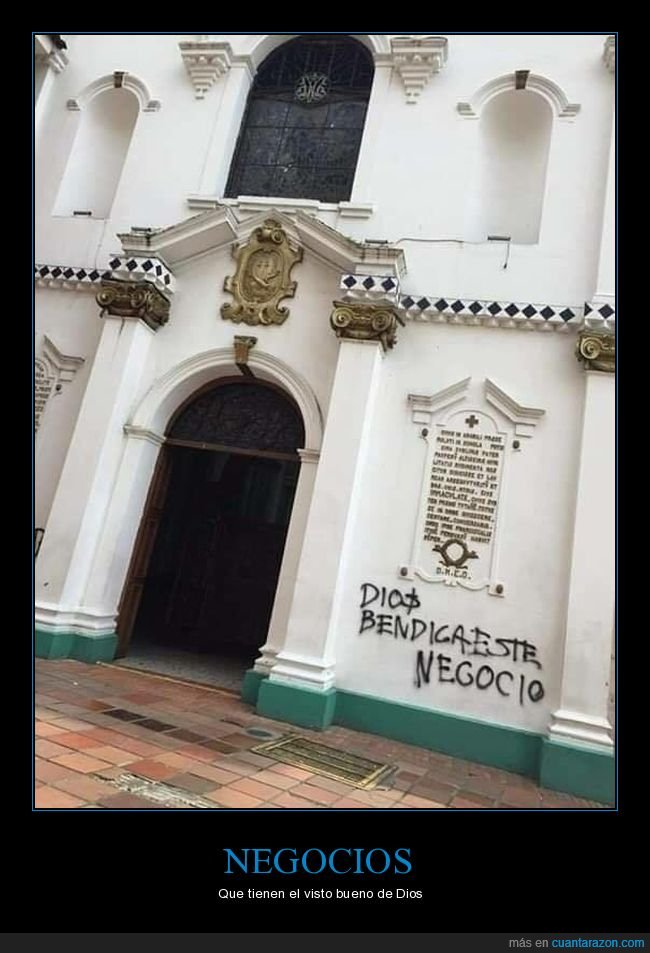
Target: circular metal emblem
(312, 87)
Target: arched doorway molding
(175, 386)
(144, 436)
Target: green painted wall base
(250, 687)
(85, 648)
(300, 706)
(579, 770)
(509, 748)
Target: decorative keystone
(243, 345)
(365, 322)
(205, 63)
(416, 59)
(131, 299)
(597, 349)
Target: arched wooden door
(207, 558)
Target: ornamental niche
(263, 277)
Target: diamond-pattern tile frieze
(128, 268)
(506, 313)
(370, 288)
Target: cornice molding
(206, 61)
(415, 59)
(219, 228)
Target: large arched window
(302, 130)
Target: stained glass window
(302, 130)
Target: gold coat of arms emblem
(263, 277)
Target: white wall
(417, 161)
(536, 514)
(71, 321)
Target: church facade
(324, 373)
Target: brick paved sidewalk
(108, 737)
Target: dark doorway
(205, 568)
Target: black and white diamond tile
(452, 310)
(123, 269)
(599, 314)
(370, 287)
(148, 269)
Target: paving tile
(330, 784)
(371, 798)
(475, 801)
(288, 800)
(411, 800)
(199, 735)
(122, 714)
(218, 775)
(49, 749)
(124, 801)
(178, 761)
(76, 740)
(348, 804)
(292, 772)
(51, 797)
(443, 793)
(218, 746)
(521, 796)
(48, 772)
(189, 782)
(143, 698)
(72, 724)
(198, 752)
(265, 792)
(227, 797)
(80, 762)
(43, 729)
(320, 796)
(257, 759)
(88, 789)
(240, 768)
(241, 741)
(183, 734)
(112, 754)
(155, 770)
(277, 780)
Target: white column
(583, 712)
(307, 659)
(84, 490)
(290, 561)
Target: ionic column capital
(365, 322)
(597, 349)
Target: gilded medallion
(263, 277)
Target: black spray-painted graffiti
(472, 642)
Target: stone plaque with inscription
(459, 509)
